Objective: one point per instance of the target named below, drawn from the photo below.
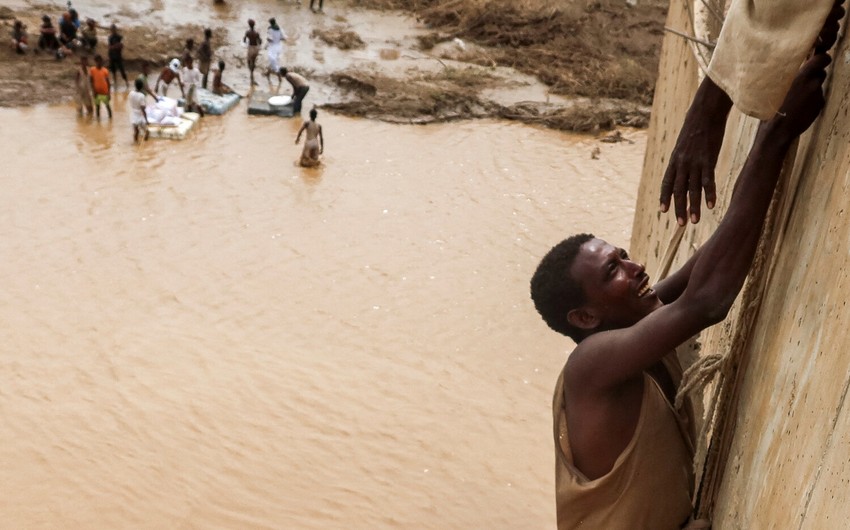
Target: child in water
(101, 87)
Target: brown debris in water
(421, 97)
(454, 94)
(589, 115)
(340, 37)
(587, 48)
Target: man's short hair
(554, 290)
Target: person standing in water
(82, 88)
(314, 145)
(138, 115)
(205, 54)
(99, 76)
(192, 81)
(274, 41)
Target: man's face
(616, 289)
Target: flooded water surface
(199, 334)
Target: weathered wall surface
(789, 465)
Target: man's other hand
(691, 166)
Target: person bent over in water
(300, 87)
(314, 145)
(623, 453)
(166, 76)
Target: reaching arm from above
(690, 170)
(691, 166)
(609, 358)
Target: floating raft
(259, 105)
(214, 104)
(179, 131)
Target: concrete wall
(789, 464)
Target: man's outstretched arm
(607, 359)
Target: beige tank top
(650, 485)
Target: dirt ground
(602, 55)
(591, 48)
(38, 77)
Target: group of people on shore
(190, 71)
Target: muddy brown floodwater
(200, 334)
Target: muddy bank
(455, 94)
(38, 77)
(582, 66)
(604, 48)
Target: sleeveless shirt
(650, 485)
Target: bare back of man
(314, 144)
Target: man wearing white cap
(167, 75)
(274, 41)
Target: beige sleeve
(760, 49)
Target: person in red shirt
(99, 76)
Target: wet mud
(582, 66)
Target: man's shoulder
(587, 363)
